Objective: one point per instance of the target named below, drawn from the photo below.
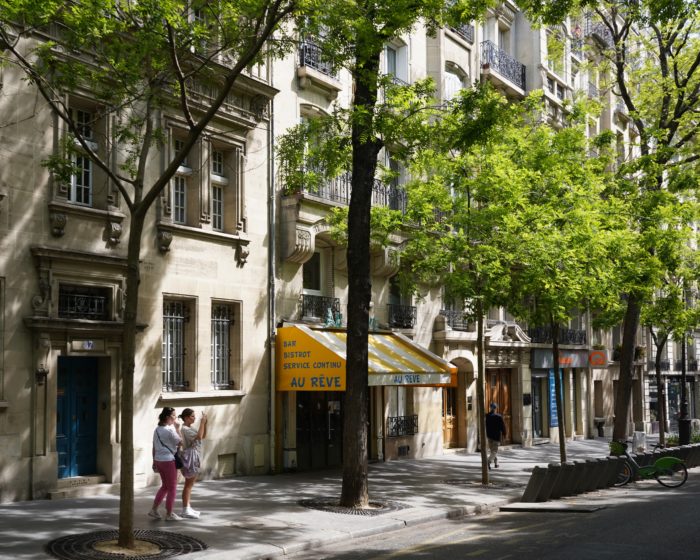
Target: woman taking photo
(166, 440)
(191, 457)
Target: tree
(512, 208)
(652, 51)
(361, 35)
(136, 59)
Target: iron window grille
(402, 316)
(83, 302)
(175, 316)
(222, 319)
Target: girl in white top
(191, 457)
(166, 440)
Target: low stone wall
(569, 479)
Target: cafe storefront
(310, 383)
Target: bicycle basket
(617, 447)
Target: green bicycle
(668, 471)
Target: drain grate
(81, 547)
(331, 505)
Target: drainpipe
(271, 272)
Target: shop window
(178, 343)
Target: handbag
(178, 458)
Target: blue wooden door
(76, 416)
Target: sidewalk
(257, 517)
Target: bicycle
(668, 471)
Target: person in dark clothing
(495, 430)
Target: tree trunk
(126, 404)
(480, 392)
(624, 384)
(355, 489)
(558, 392)
(660, 393)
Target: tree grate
(81, 547)
(331, 505)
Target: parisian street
(641, 522)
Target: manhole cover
(331, 505)
(82, 547)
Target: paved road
(640, 522)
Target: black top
(495, 426)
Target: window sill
(4, 404)
(201, 395)
(87, 211)
(238, 241)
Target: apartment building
(244, 292)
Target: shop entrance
(498, 391)
(537, 408)
(76, 416)
(449, 416)
(319, 430)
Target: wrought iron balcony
(402, 316)
(456, 320)
(543, 335)
(665, 365)
(339, 189)
(402, 426)
(692, 365)
(311, 55)
(466, 31)
(598, 30)
(499, 60)
(319, 307)
(577, 47)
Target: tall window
(175, 314)
(82, 178)
(312, 274)
(221, 323)
(218, 182)
(180, 186)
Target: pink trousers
(168, 487)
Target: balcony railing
(691, 366)
(339, 189)
(320, 307)
(402, 316)
(651, 365)
(402, 426)
(466, 31)
(456, 320)
(577, 47)
(503, 63)
(543, 335)
(598, 30)
(311, 55)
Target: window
(207, 189)
(396, 62)
(177, 363)
(312, 274)
(84, 302)
(453, 84)
(391, 61)
(82, 179)
(222, 321)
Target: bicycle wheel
(672, 476)
(625, 474)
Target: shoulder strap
(161, 442)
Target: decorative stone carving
(40, 302)
(58, 223)
(386, 263)
(242, 252)
(303, 247)
(165, 238)
(258, 106)
(114, 232)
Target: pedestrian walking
(191, 457)
(166, 441)
(495, 430)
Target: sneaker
(154, 513)
(172, 516)
(189, 513)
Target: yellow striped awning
(314, 360)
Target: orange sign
(303, 364)
(598, 358)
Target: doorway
(498, 391)
(537, 409)
(319, 429)
(76, 416)
(449, 416)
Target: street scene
(281, 274)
